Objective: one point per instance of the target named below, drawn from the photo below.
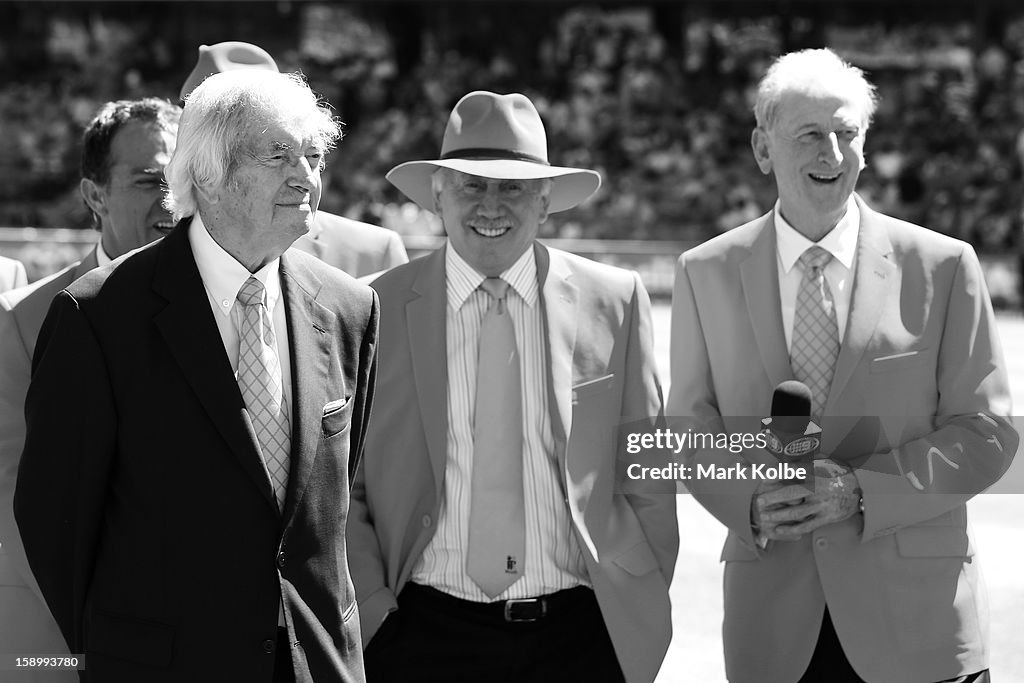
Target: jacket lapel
(191, 334)
(559, 301)
(311, 329)
(763, 303)
(426, 324)
(872, 285)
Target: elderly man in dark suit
(185, 514)
(125, 149)
(360, 249)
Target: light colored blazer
(26, 625)
(601, 369)
(921, 352)
(12, 274)
(357, 248)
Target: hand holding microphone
(791, 437)
(789, 509)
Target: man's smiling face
(815, 147)
(129, 204)
(490, 222)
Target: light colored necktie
(497, 517)
(815, 344)
(259, 379)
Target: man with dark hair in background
(124, 151)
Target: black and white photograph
(458, 341)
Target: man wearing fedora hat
(488, 538)
(360, 249)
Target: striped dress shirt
(553, 558)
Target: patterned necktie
(259, 379)
(815, 344)
(497, 516)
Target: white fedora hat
(496, 136)
(227, 56)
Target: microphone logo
(783, 441)
(801, 446)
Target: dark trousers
(436, 637)
(830, 665)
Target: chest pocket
(337, 417)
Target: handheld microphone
(790, 434)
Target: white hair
(217, 121)
(798, 71)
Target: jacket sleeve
(367, 377)
(15, 371)
(69, 452)
(366, 564)
(653, 501)
(973, 442)
(692, 404)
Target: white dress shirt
(102, 257)
(553, 558)
(841, 242)
(222, 277)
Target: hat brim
(570, 186)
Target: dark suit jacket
(147, 514)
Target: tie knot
(814, 258)
(251, 292)
(496, 287)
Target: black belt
(522, 610)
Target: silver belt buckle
(538, 609)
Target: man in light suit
(125, 149)
(185, 514)
(582, 594)
(870, 575)
(358, 248)
(12, 274)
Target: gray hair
(219, 117)
(798, 70)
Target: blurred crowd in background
(663, 112)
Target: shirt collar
(222, 275)
(841, 241)
(102, 257)
(463, 279)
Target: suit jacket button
(821, 543)
(426, 521)
(268, 646)
(280, 560)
